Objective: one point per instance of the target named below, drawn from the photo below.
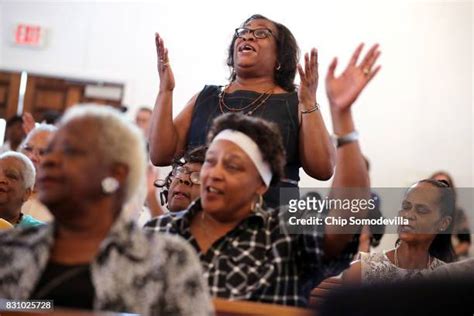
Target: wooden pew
(319, 293)
(245, 308)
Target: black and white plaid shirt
(257, 260)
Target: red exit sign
(29, 35)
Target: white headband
(251, 149)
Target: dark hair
(265, 134)
(287, 54)
(14, 120)
(194, 155)
(450, 180)
(445, 174)
(441, 247)
(51, 116)
(312, 194)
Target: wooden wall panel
(50, 99)
(44, 93)
(9, 86)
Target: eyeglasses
(193, 175)
(261, 33)
(162, 183)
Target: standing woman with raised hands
(263, 57)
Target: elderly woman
(34, 146)
(424, 244)
(245, 252)
(263, 57)
(17, 179)
(182, 185)
(91, 257)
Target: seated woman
(34, 146)
(423, 245)
(245, 253)
(183, 184)
(91, 257)
(17, 179)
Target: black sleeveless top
(281, 109)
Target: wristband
(345, 139)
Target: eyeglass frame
(175, 173)
(252, 31)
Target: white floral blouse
(377, 267)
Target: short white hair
(41, 127)
(119, 140)
(28, 171)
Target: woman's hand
(309, 79)
(342, 91)
(164, 70)
(28, 122)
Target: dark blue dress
(281, 109)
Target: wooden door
(48, 93)
(9, 88)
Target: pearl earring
(110, 185)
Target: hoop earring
(109, 185)
(278, 67)
(232, 74)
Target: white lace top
(377, 267)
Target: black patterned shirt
(258, 260)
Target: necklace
(259, 101)
(395, 256)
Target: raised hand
(28, 122)
(309, 79)
(343, 90)
(164, 70)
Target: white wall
(415, 117)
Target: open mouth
(3, 189)
(246, 48)
(406, 228)
(213, 190)
(180, 195)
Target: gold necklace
(395, 256)
(259, 101)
